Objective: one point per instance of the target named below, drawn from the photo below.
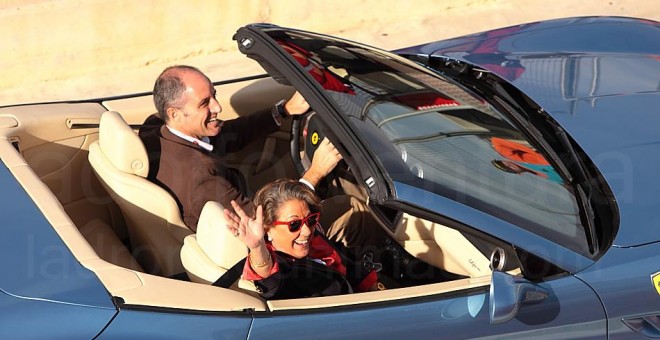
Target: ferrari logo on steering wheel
(315, 138)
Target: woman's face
(295, 243)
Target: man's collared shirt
(204, 142)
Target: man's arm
(324, 160)
(237, 133)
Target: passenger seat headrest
(213, 237)
(121, 145)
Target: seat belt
(230, 276)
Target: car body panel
(176, 324)
(37, 258)
(46, 289)
(30, 318)
(572, 310)
(625, 272)
(598, 90)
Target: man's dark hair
(169, 88)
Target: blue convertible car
(515, 172)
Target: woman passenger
(289, 257)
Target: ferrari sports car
(515, 172)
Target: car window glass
(429, 132)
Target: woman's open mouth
(302, 245)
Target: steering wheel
(308, 127)
(307, 133)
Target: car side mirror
(508, 293)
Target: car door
(571, 311)
(555, 304)
(551, 304)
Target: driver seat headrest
(122, 147)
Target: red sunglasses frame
(301, 220)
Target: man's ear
(172, 113)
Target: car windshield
(429, 132)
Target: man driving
(186, 141)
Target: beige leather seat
(155, 227)
(213, 250)
(107, 245)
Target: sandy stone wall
(68, 49)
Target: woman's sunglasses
(311, 220)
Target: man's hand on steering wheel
(325, 157)
(324, 161)
(296, 105)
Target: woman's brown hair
(273, 195)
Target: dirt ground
(72, 49)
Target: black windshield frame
(363, 78)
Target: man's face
(197, 116)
